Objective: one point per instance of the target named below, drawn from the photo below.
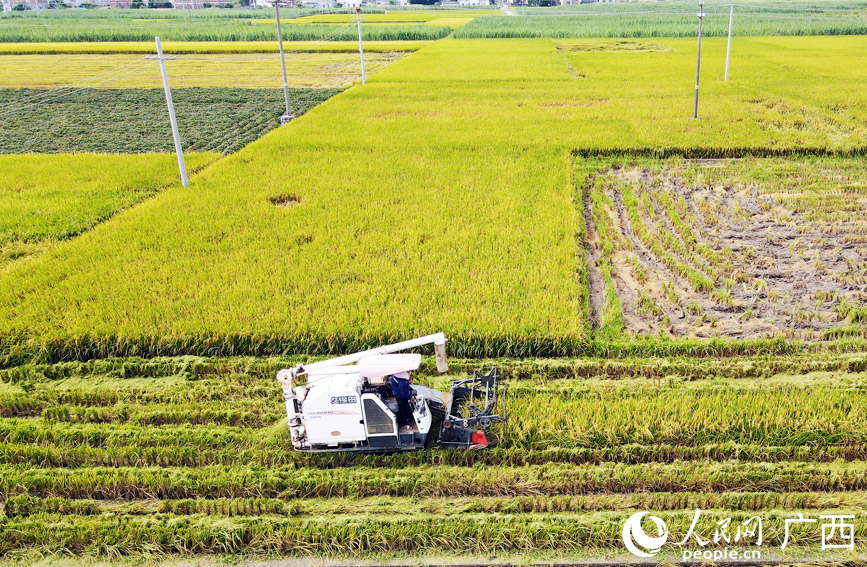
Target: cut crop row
(241, 377)
(26, 455)
(562, 415)
(551, 479)
(23, 505)
(357, 535)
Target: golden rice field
(676, 305)
(417, 158)
(37, 212)
(249, 71)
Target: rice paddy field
(677, 306)
(543, 116)
(210, 26)
(158, 457)
(675, 18)
(39, 211)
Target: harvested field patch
(163, 454)
(134, 121)
(738, 248)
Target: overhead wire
(76, 91)
(238, 132)
(313, 44)
(77, 84)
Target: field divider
(716, 152)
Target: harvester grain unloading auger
(347, 403)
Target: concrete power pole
(360, 45)
(182, 166)
(698, 61)
(288, 116)
(729, 47)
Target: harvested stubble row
(359, 535)
(190, 455)
(215, 481)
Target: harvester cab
(347, 404)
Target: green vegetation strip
(114, 26)
(674, 18)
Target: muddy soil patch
(777, 267)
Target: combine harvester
(347, 404)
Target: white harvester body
(347, 404)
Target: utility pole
(360, 44)
(178, 149)
(698, 61)
(288, 116)
(729, 48)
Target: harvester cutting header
(364, 402)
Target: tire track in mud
(595, 281)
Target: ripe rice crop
(113, 71)
(504, 200)
(385, 147)
(89, 465)
(38, 211)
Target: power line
(84, 81)
(74, 92)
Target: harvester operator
(403, 393)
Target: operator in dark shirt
(403, 392)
